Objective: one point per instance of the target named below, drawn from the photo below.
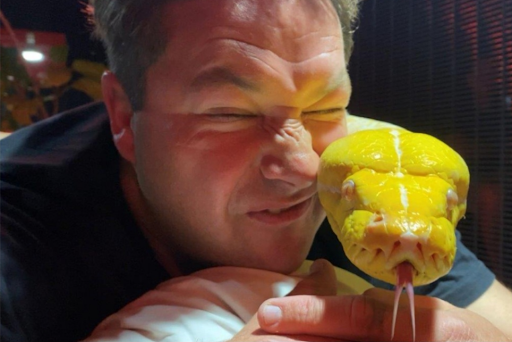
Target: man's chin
(285, 265)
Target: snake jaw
(404, 279)
(376, 242)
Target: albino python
(394, 198)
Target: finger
(321, 280)
(354, 318)
(346, 317)
(387, 297)
(251, 332)
(362, 318)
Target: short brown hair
(133, 36)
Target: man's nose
(289, 156)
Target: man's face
(237, 111)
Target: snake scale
(394, 198)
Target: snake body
(394, 198)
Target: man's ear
(120, 113)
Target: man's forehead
(275, 11)
(267, 24)
(218, 76)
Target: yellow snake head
(394, 197)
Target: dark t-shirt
(71, 253)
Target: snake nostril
(376, 221)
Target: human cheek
(159, 145)
(215, 166)
(211, 153)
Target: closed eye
(325, 115)
(228, 114)
(228, 117)
(324, 111)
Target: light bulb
(32, 56)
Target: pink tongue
(404, 273)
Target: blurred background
(48, 61)
(443, 67)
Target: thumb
(321, 280)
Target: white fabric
(209, 305)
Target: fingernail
(272, 314)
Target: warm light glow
(32, 56)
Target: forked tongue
(404, 274)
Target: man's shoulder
(68, 154)
(68, 238)
(61, 132)
(58, 175)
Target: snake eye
(348, 189)
(452, 200)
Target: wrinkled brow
(219, 76)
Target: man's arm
(495, 305)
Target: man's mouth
(277, 211)
(283, 214)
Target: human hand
(368, 318)
(320, 282)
